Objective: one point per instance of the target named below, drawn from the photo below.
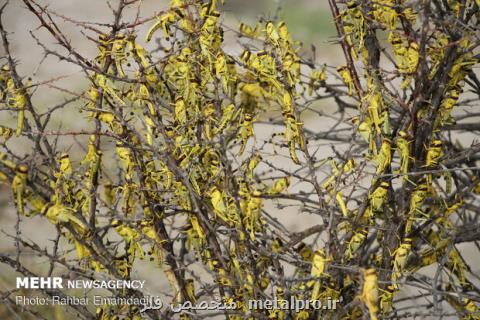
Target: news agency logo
(40, 283)
(59, 283)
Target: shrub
(196, 154)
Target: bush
(196, 155)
